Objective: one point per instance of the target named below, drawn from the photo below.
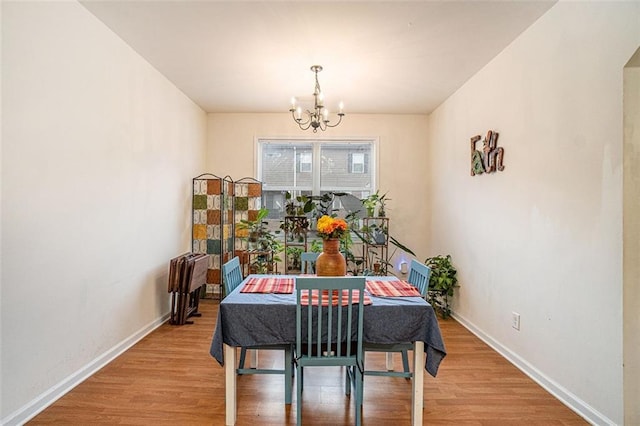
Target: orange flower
(331, 227)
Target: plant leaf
(400, 245)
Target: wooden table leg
(254, 358)
(230, 384)
(389, 361)
(417, 394)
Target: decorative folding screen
(247, 202)
(212, 225)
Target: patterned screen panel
(247, 201)
(212, 224)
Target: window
(313, 168)
(305, 162)
(357, 162)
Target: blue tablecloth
(250, 319)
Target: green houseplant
(298, 206)
(293, 255)
(372, 201)
(259, 238)
(442, 283)
(374, 234)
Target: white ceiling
(378, 57)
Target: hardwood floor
(170, 378)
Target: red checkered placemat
(268, 285)
(395, 288)
(304, 298)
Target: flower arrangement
(332, 227)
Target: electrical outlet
(515, 320)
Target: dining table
(262, 311)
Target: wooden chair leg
(347, 381)
(405, 361)
(359, 388)
(288, 374)
(243, 356)
(299, 395)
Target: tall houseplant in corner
(442, 282)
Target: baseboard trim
(45, 399)
(583, 409)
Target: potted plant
(372, 201)
(374, 232)
(382, 203)
(295, 227)
(293, 258)
(354, 263)
(270, 243)
(253, 230)
(260, 239)
(442, 283)
(298, 206)
(296, 222)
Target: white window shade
(314, 168)
(337, 167)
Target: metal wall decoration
(489, 159)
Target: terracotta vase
(331, 263)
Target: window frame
(316, 144)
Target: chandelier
(318, 118)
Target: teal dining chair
(308, 261)
(232, 277)
(418, 277)
(325, 334)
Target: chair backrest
(419, 276)
(231, 274)
(328, 337)
(308, 261)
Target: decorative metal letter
(490, 158)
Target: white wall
(631, 270)
(98, 154)
(544, 237)
(401, 151)
(1, 133)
